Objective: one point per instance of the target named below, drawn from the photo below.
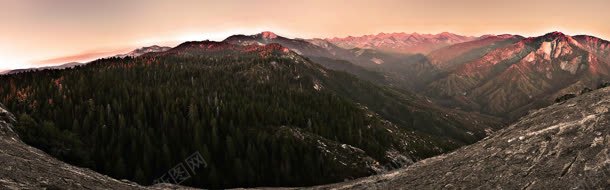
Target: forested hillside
(258, 115)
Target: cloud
(82, 57)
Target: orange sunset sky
(45, 32)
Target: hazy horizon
(47, 33)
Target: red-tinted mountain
(530, 73)
(599, 47)
(401, 42)
(450, 57)
(299, 46)
(392, 69)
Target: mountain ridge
(62, 66)
(401, 42)
(143, 50)
(534, 67)
(561, 146)
(283, 83)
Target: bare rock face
(24, 167)
(563, 146)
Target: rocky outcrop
(25, 167)
(563, 146)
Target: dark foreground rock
(24, 167)
(563, 146)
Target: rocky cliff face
(24, 167)
(563, 146)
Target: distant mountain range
(379, 66)
(503, 75)
(62, 66)
(350, 106)
(401, 42)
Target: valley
(320, 95)
(262, 109)
(246, 109)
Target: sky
(45, 32)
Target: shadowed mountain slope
(563, 146)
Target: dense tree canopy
(257, 118)
(137, 118)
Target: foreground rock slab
(563, 146)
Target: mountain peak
(555, 34)
(551, 36)
(268, 35)
(446, 33)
